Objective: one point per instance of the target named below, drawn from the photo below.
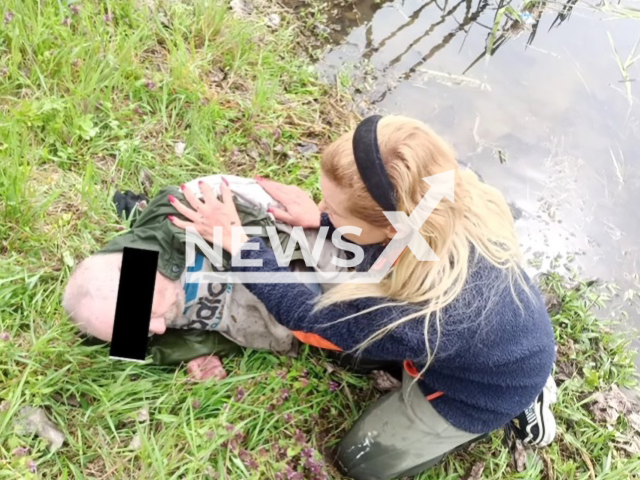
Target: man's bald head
(92, 292)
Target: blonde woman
(470, 330)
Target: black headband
(370, 164)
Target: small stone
(241, 8)
(273, 20)
(136, 442)
(179, 148)
(216, 75)
(307, 148)
(143, 415)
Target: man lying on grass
(228, 314)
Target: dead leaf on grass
(476, 471)
(32, 420)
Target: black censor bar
(133, 308)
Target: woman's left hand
(210, 213)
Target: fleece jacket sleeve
(292, 306)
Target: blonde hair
(478, 217)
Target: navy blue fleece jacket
(493, 358)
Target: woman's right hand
(299, 209)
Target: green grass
(98, 104)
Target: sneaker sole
(547, 419)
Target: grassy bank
(97, 96)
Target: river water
(552, 118)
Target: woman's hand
(210, 213)
(299, 208)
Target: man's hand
(205, 368)
(299, 208)
(210, 213)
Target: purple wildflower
(20, 451)
(281, 453)
(75, 9)
(279, 476)
(5, 335)
(195, 404)
(291, 475)
(8, 17)
(305, 373)
(108, 18)
(66, 22)
(284, 393)
(233, 444)
(315, 467)
(288, 418)
(33, 468)
(240, 394)
(333, 386)
(248, 459)
(225, 444)
(263, 452)
(210, 435)
(271, 407)
(307, 452)
(239, 436)
(231, 427)
(150, 85)
(304, 382)
(299, 437)
(315, 417)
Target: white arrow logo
(408, 228)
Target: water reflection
(539, 98)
